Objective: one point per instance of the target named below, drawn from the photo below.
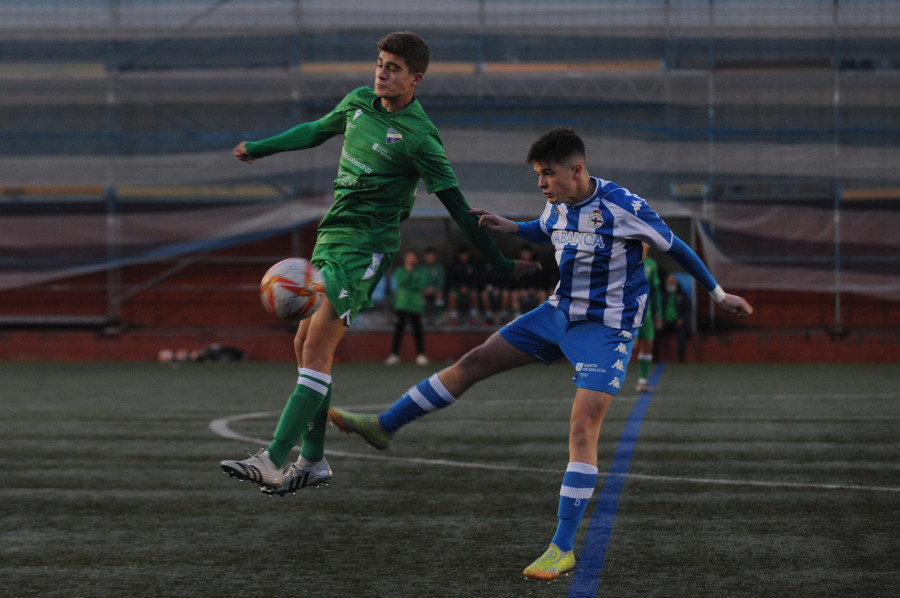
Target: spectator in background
(652, 320)
(676, 314)
(528, 291)
(463, 286)
(494, 296)
(409, 304)
(435, 278)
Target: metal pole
(113, 224)
(836, 190)
(709, 192)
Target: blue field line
(593, 554)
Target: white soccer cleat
(296, 477)
(421, 359)
(256, 468)
(644, 386)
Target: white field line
(221, 427)
(833, 396)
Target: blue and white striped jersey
(598, 250)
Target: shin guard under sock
(577, 488)
(425, 397)
(313, 446)
(299, 412)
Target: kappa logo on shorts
(615, 383)
(625, 334)
(622, 349)
(618, 365)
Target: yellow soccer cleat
(366, 425)
(551, 565)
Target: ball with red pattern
(292, 289)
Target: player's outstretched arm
(240, 152)
(686, 257)
(460, 211)
(492, 221)
(302, 136)
(736, 305)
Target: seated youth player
(596, 228)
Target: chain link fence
(773, 127)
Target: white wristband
(718, 294)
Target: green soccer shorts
(351, 275)
(646, 332)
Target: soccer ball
(292, 289)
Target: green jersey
(384, 156)
(654, 306)
(410, 285)
(434, 276)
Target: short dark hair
(408, 46)
(559, 145)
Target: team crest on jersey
(393, 136)
(596, 219)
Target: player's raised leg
(437, 391)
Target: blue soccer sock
(577, 488)
(426, 396)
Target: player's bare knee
(584, 433)
(315, 355)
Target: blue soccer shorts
(599, 353)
